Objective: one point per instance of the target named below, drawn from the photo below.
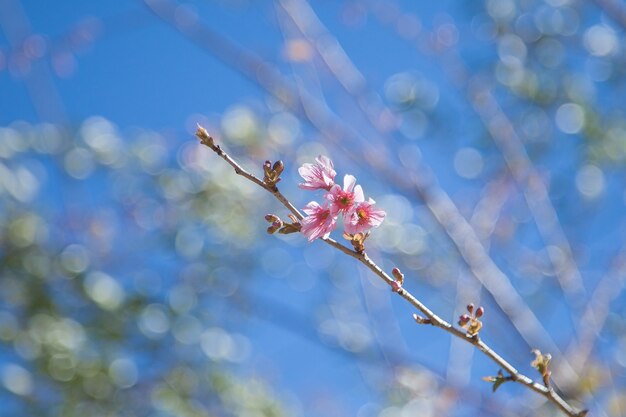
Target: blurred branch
(338, 62)
(614, 9)
(36, 75)
(378, 306)
(422, 183)
(354, 83)
(501, 130)
(594, 317)
(484, 218)
(431, 318)
(282, 316)
(536, 192)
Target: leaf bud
(421, 320)
(203, 135)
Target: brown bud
(290, 228)
(275, 226)
(272, 172)
(271, 218)
(278, 168)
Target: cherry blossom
(319, 222)
(362, 217)
(320, 175)
(342, 200)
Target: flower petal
(358, 194)
(349, 181)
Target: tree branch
(431, 318)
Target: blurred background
(136, 276)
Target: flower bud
(278, 168)
(470, 308)
(271, 218)
(398, 275)
(395, 286)
(272, 173)
(275, 226)
(463, 319)
(480, 311)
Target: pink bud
(480, 311)
(463, 319)
(470, 307)
(395, 286)
(397, 274)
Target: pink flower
(320, 175)
(363, 217)
(342, 200)
(319, 222)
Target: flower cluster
(359, 215)
(470, 321)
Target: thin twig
(432, 318)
